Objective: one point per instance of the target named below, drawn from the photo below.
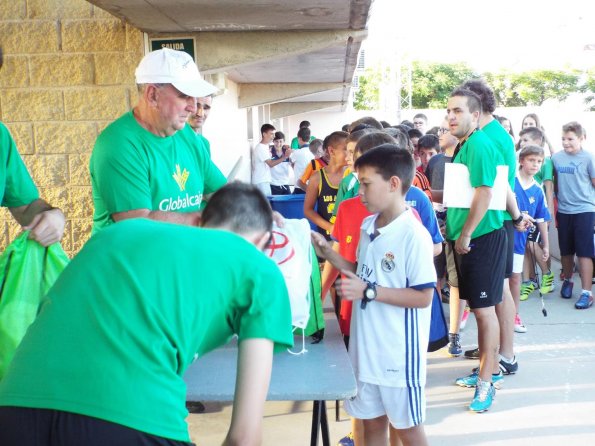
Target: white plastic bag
(290, 248)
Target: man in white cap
(149, 163)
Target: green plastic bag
(316, 323)
(27, 272)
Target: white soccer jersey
(388, 344)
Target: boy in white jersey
(395, 281)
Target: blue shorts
(575, 234)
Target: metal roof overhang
(294, 55)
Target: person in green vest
(104, 361)
(20, 195)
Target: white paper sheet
(458, 192)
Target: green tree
(588, 88)
(367, 96)
(433, 83)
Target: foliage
(367, 96)
(432, 84)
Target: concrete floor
(550, 401)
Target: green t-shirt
(504, 143)
(205, 142)
(296, 145)
(16, 186)
(481, 157)
(546, 173)
(130, 312)
(348, 188)
(131, 168)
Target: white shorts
(517, 263)
(405, 407)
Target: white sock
(588, 292)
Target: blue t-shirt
(417, 199)
(532, 201)
(575, 193)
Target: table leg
(324, 425)
(315, 424)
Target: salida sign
(179, 44)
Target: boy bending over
(103, 363)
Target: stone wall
(68, 72)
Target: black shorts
(509, 228)
(280, 190)
(440, 263)
(481, 271)
(22, 426)
(575, 234)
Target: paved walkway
(550, 401)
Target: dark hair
(407, 123)
(304, 124)
(371, 140)
(355, 136)
(404, 128)
(433, 131)
(239, 207)
(334, 138)
(575, 128)
(345, 127)
(366, 120)
(535, 118)
(485, 93)
(389, 160)
(266, 128)
(534, 133)
(473, 101)
(385, 124)
(304, 134)
(401, 138)
(531, 150)
(279, 135)
(414, 133)
(315, 144)
(429, 142)
(501, 119)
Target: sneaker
(464, 318)
(347, 440)
(584, 301)
(471, 380)
(472, 354)
(454, 344)
(519, 327)
(509, 368)
(566, 291)
(547, 283)
(527, 288)
(483, 398)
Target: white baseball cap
(167, 66)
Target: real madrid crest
(388, 262)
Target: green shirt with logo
(132, 311)
(131, 168)
(546, 173)
(481, 157)
(505, 145)
(16, 186)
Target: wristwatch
(516, 221)
(369, 295)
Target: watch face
(370, 294)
